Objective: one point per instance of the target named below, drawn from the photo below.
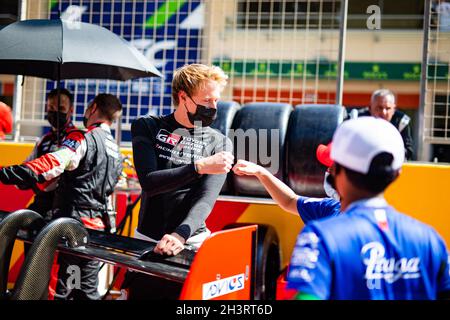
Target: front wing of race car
(222, 268)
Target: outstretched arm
(46, 168)
(284, 196)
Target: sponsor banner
(328, 70)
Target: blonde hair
(191, 77)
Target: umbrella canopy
(58, 49)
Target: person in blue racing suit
(370, 251)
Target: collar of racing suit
(102, 125)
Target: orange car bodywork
(222, 267)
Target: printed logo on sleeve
(73, 140)
(71, 144)
(305, 257)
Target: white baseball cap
(357, 141)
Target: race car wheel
(268, 261)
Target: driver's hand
(170, 244)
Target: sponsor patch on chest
(169, 138)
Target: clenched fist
(217, 164)
(246, 168)
(170, 244)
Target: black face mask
(57, 119)
(202, 114)
(329, 187)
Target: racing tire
(226, 110)
(309, 126)
(253, 126)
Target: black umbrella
(58, 49)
